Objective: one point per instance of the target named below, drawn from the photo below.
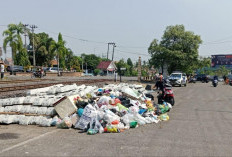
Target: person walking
(2, 68)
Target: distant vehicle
(230, 79)
(53, 69)
(192, 80)
(220, 79)
(203, 78)
(178, 79)
(15, 68)
(88, 74)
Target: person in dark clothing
(215, 77)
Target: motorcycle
(215, 83)
(166, 95)
(37, 74)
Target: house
(54, 63)
(107, 67)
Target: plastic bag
(24, 120)
(111, 129)
(122, 108)
(46, 122)
(164, 117)
(66, 123)
(88, 113)
(133, 124)
(50, 111)
(55, 121)
(74, 118)
(42, 110)
(110, 116)
(104, 100)
(95, 127)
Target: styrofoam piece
(65, 106)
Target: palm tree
(13, 38)
(59, 49)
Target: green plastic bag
(133, 124)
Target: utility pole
(113, 51)
(25, 34)
(108, 51)
(32, 29)
(139, 69)
(86, 71)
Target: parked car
(203, 78)
(15, 68)
(178, 79)
(53, 69)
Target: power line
(135, 53)
(69, 36)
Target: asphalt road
(200, 125)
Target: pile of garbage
(113, 108)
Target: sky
(88, 25)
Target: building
(107, 67)
(221, 60)
(54, 63)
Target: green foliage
(222, 71)
(59, 50)
(91, 59)
(13, 38)
(96, 71)
(43, 53)
(75, 64)
(22, 58)
(178, 49)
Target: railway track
(24, 81)
(33, 86)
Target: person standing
(2, 70)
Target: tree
(23, 58)
(59, 49)
(42, 44)
(74, 63)
(13, 38)
(91, 60)
(130, 64)
(222, 71)
(178, 49)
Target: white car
(53, 69)
(178, 79)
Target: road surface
(200, 125)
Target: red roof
(103, 65)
